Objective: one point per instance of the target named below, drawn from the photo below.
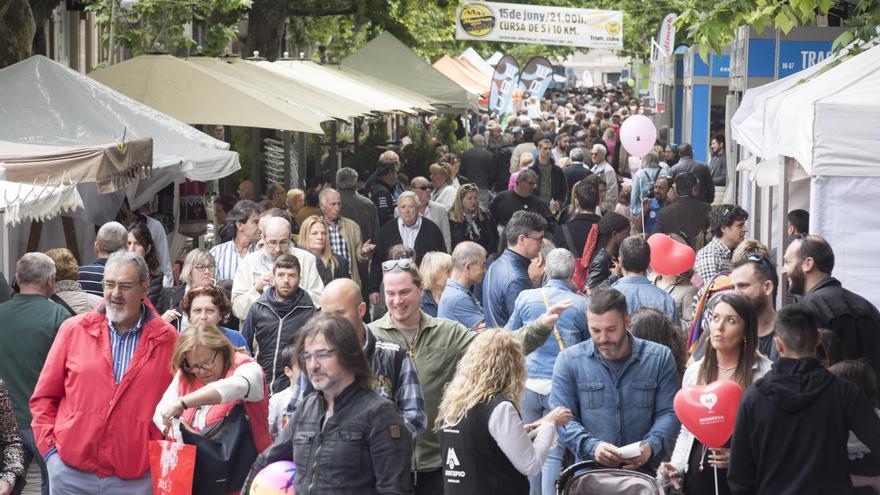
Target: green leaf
(841, 41)
(784, 21)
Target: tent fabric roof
(477, 61)
(386, 58)
(52, 104)
(453, 69)
(190, 92)
(111, 166)
(383, 97)
(23, 202)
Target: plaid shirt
(713, 258)
(337, 242)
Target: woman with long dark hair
(652, 324)
(732, 355)
(141, 242)
(613, 229)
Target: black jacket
(506, 203)
(850, 316)
(476, 164)
(272, 325)
(558, 185)
(575, 173)
(701, 171)
(791, 432)
(428, 239)
(600, 271)
(382, 196)
(488, 236)
(578, 228)
(501, 166)
(364, 448)
(328, 275)
(687, 215)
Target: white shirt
(246, 383)
(408, 234)
(508, 430)
(252, 267)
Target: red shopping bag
(171, 466)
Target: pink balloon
(669, 257)
(275, 479)
(638, 135)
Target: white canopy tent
(477, 61)
(826, 118)
(46, 103)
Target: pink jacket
(96, 425)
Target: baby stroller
(591, 478)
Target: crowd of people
(475, 331)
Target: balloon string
(716, 480)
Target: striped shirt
(123, 345)
(337, 242)
(227, 259)
(91, 277)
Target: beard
(796, 281)
(115, 315)
(760, 303)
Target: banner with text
(543, 25)
(504, 83)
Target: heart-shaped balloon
(709, 411)
(638, 135)
(670, 257)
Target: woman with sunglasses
(468, 221)
(211, 377)
(198, 270)
(732, 355)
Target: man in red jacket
(93, 404)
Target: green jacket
(30, 323)
(439, 345)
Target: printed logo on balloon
(709, 411)
(638, 135)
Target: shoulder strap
(568, 240)
(55, 298)
(556, 334)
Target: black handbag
(224, 453)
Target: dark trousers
(31, 454)
(428, 482)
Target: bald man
(254, 271)
(394, 376)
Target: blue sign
(720, 65)
(795, 56)
(761, 54)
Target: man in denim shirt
(457, 302)
(635, 256)
(619, 388)
(570, 330)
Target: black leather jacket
(600, 271)
(364, 448)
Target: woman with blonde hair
(199, 269)
(212, 382)
(435, 269)
(314, 237)
(480, 425)
(67, 291)
(441, 179)
(468, 221)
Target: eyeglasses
(425, 188)
(123, 287)
(276, 243)
(204, 268)
(206, 366)
(539, 239)
(320, 355)
(403, 263)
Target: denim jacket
(639, 292)
(635, 407)
(504, 280)
(572, 324)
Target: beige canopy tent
(111, 166)
(378, 96)
(203, 94)
(386, 58)
(464, 76)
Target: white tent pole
(5, 265)
(782, 240)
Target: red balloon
(670, 257)
(709, 411)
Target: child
(283, 404)
(864, 465)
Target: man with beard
(435, 346)
(255, 270)
(755, 277)
(93, 404)
(274, 319)
(551, 186)
(619, 389)
(728, 226)
(807, 264)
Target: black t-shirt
(508, 202)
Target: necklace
(410, 346)
(729, 368)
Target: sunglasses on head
(403, 264)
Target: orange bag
(171, 466)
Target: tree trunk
(17, 28)
(265, 28)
